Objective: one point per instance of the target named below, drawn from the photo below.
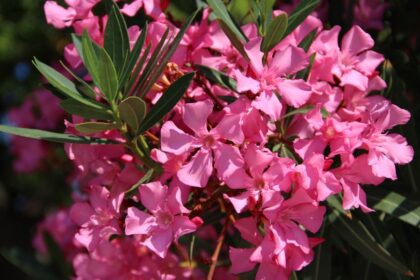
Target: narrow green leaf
(132, 111)
(275, 33)
(219, 9)
(233, 39)
(299, 111)
(116, 41)
(52, 136)
(108, 78)
(166, 103)
(302, 11)
(93, 127)
(396, 205)
(133, 58)
(84, 86)
(191, 250)
(64, 85)
(76, 108)
(173, 46)
(306, 43)
(90, 57)
(357, 236)
(266, 8)
(145, 179)
(217, 77)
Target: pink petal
(245, 83)
(174, 140)
(196, 114)
(252, 48)
(288, 61)
(369, 61)
(398, 149)
(182, 225)
(356, 41)
(354, 78)
(228, 160)
(230, 128)
(174, 202)
(81, 212)
(240, 260)
(295, 92)
(98, 198)
(239, 202)
(58, 16)
(132, 8)
(152, 195)
(354, 196)
(159, 242)
(270, 104)
(197, 172)
(248, 229)
(138, 222)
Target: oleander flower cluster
(255, 158)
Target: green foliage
(217, 77)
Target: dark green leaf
(173, 46)
(28, 264)
(217, 77)
(302, 11)
(108, 78)
(396, 205)
(299, 111)
(63, 84)
(266, 8)
(233, 39)
(145, 179)
(357, 236)
(275, 33)
(116, 41)
(219, 9)
(132, 111)
(52, 136)
(166, 103)
(84, 86)
(133, 58)
(93, 127)
(76, 108)
(307, 41)
(90, 57)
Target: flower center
(164, 218)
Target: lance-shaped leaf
(356, 234)
(145, 179)
(396, 205)
(275, 32)
(266, 8)
(132, 111)
(306, 43)
(302, 110)
(90, 56)
(76, 108)
(133, 58)
(168, 100)
(108, 78)
(236, 42)
(52, 136)
(164, 59)
(302, 11)
(83, 86)
(116, 41)
(217, 77)
(219, 9)
(93, 127)
(64, 85)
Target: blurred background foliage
(25, 199)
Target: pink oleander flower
(206, 144)
(165, 221)
(369, 13)
(98, 218)
(269, 81)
